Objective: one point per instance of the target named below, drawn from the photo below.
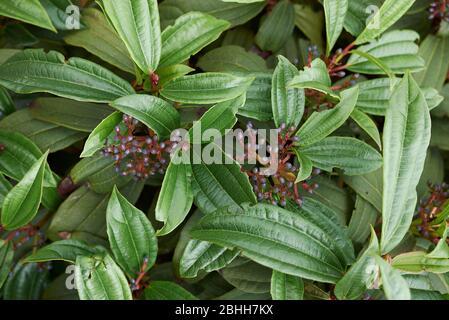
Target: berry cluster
(429, 209)
(277, 187)
(439, 11)
(137, 150)
(25, 234)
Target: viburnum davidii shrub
(224, 149)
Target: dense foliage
(111, 111)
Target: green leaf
(352, 156)
(395, 51)
(258, 99)
(435, 51)
(335, 13)
(137, 23)
(368, 186)
(33, 70)
(232, 58)
(243, 1)
(311, 23)
(6, 104)
(419, 261)
(377, 62)
(406, 139)
(394, 285)
(45, 135)
(22, 202)
(56, 10)
(5, 187)
(305, 168)
(390, 12)
(63, 250)
(97, 138)
(375, 95)
(173, 72)
(27, 282)
(6, 260)
(327, 219)
(206, 88)
(361, 275)
(204, 256)
(154, 112)
(29, 11)
(166, 290)
(277, 27)
(79, 116)
(175, 198)
(100, 39)
(363, 216)
(368, 125)
(315, 77)
(191, 32)
(286, 287)
(235, 13)
(219, 185)
(98, 277)
(131, 235)
(220, 117)
(287, 103)
(298, 247)
(247, 275)
(321, 124)
(358, 14)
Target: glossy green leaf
(296, 248)
(75, 115)
(97, 137)
(352, 156)
(6, 260)
(321, 124)
(220, 117)
(206, 88)
(137, 23)
(218, 185)
(306, 167)
(63, 250)
(190, 33)
(154, 112)
(100, 39)
(175, 198)
(231, 58)
(22, 202)
(390, 12)
(98, 277)
(286, 287)
(287, 103)
(26, 282)
(277, 26)
(235, 13)
(166, 290)
(131, 235)
(33, 70)
(29, 11)
(6, 104)
(335, 13)
(405, 140)
(204, 256)
(311, 23)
